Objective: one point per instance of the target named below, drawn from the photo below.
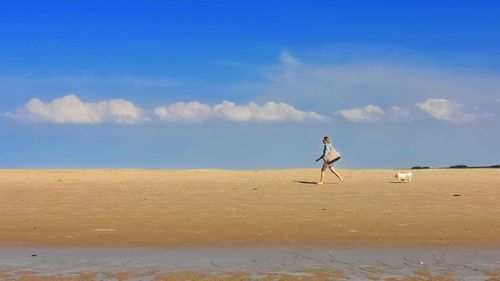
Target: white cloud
(70, 109)
(441, 109)
(369, 113)
(268, 112)
(184, 111)
(446, 110)
(373, 113)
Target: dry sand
(243, 208)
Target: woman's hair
(327, 139)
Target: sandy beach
(162, 225)
(172, 208)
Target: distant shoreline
(248, 169)
(457, 167)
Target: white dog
(404, 177)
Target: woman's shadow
(305, 182)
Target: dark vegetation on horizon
(458, 167)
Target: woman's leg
(322, 173)
(336, 173)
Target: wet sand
(175, 208)
(250, 263)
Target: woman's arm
(322, 155)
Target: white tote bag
(334, 154)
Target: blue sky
(248, 84)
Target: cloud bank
(380, 88)
(268, 112)
(359, 90)
(435, 108)
(369, 113)
(71, 110)
(373, 113)
(443, 109)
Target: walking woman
(329, 157)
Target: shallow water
(133, 264)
